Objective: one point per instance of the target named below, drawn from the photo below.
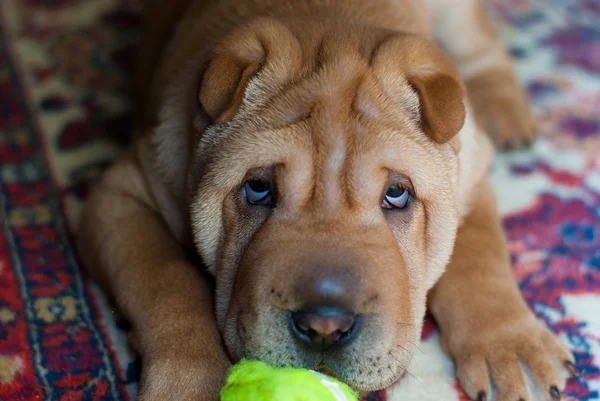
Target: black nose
(327, 296)
(323, 325)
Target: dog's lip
(326, 371)
(402, 376)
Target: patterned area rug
(63, 117)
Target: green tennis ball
(257, 381)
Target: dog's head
(324, 193)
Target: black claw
(481, 396)
(521, 399)
(555, 392)
(570, 366)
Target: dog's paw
(511, 360)
(181, 380)
(503, 110)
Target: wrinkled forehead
(352, 132)
(352, 139)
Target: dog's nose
(327, 313)
(323, 325)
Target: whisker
(412, 356)
(403, 366)
(416, 346)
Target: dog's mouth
(326, 371)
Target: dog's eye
(396, 197)
(258, 192)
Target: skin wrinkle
(313, 142)
(329, 106)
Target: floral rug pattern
(64, 117)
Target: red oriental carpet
(64, 116)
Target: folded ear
(266, 48)
(431, 75)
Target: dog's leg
(128, 248)
(465, 32)
(484, 321)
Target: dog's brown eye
(258, 192)
(396, 197)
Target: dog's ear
(431, 75)
(266, 48)
(441, 104)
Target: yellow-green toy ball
(257, 381)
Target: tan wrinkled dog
(322, 159)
